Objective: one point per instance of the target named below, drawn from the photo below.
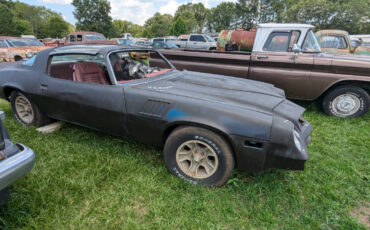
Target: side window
(3, 44)
(336, 42)
(294, 39)
(197, 38)
(72, 38)
(80, 68)
(79, 38)
(277, 42)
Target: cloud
(138, 11)
(132, 10)
(169, 8)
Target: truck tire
(4, 196)
(199, 156)
(346, 102)
(25, 111)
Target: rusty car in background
(15, 49)
(205, 123)
(86, 38)
(339, 42)
(289, 57)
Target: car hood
(232, 91)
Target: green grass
(84, 179)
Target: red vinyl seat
(89, 72)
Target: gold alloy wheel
(197, 159)
(24, 109)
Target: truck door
(278, 65)
(196, 42)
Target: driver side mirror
(296, 48)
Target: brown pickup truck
(289, 56)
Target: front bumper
(14, 167)
(289, 155)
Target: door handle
(44, 87)
(259, 57)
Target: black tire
(214, 144)
(358, 96)
(4, 196)
(39, 119)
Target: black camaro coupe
(208, 124)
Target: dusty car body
(15, 49)
(289, 57)
(236, 120)
(339, 42)
(16, 160)
(86, 38)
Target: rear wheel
(346, 101)
(198, 155)
(25, 111)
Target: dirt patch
(142, 211)
(362, 214)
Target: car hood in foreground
(232, 91)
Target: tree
(7, 21)
(56, 27)
(223, 17)
(22, 27)
(194, 15)
(123, 26)
(157, 26)
(93, 15)
(178, 27)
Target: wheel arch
(8, 89)
(358, 83)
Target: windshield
(125, 42)
(24, 42)
(209, 38)
(129, 66)
(94, 37)
(310, 44)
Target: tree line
(94, 15)
(19, 18)
(350, 15)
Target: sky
(136, 11)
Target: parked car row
(205, 123)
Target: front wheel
(346, 101)
(199, 156)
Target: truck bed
(218, 62)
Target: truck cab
(338, 41)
